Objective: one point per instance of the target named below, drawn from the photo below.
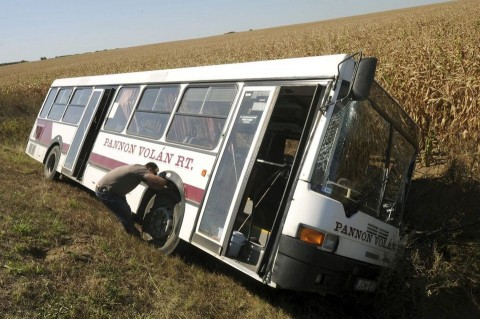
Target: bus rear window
(201, 116)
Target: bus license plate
(365, 285)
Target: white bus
(293, 171)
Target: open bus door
(214, 227)
(87, 132)
(257, 171)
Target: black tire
(162, 221)
(51, 163)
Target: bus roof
(301, 68)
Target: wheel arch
(174, 189)
(176, 180)
(57, 141)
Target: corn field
(429, 61)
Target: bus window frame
(168, 114)
(64, 105)
(112, 105)
(75, 90)
(45, 107)
(225, 118)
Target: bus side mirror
(364, 79)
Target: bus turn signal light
(324, 241)
(311, 236)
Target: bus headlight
(330, 243)
(322, 240)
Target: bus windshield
(366, 158)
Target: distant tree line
(58, 56)
(10, 63)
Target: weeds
(24, 228)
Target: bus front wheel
(161, 224)
(51, 163)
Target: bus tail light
(322, 240)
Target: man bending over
(117, 183)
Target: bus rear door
(87, 132)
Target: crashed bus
(293, 171)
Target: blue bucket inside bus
(237, 241)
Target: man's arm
(154, 181)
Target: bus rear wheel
(161, 225)
(51, 163)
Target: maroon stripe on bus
(43, 132)
(65, 148)
(192, 193)
(105, 162)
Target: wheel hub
(159, 223)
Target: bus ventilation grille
(376, 231)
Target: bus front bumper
(301, 266)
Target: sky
(31, 29)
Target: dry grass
(69, 259)
(63, 258)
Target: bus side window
(121, 109)
(77, 105)
(201, 116)
(58, 107)
(153, 111)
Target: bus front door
(224, 195)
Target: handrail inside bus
(272, 163)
